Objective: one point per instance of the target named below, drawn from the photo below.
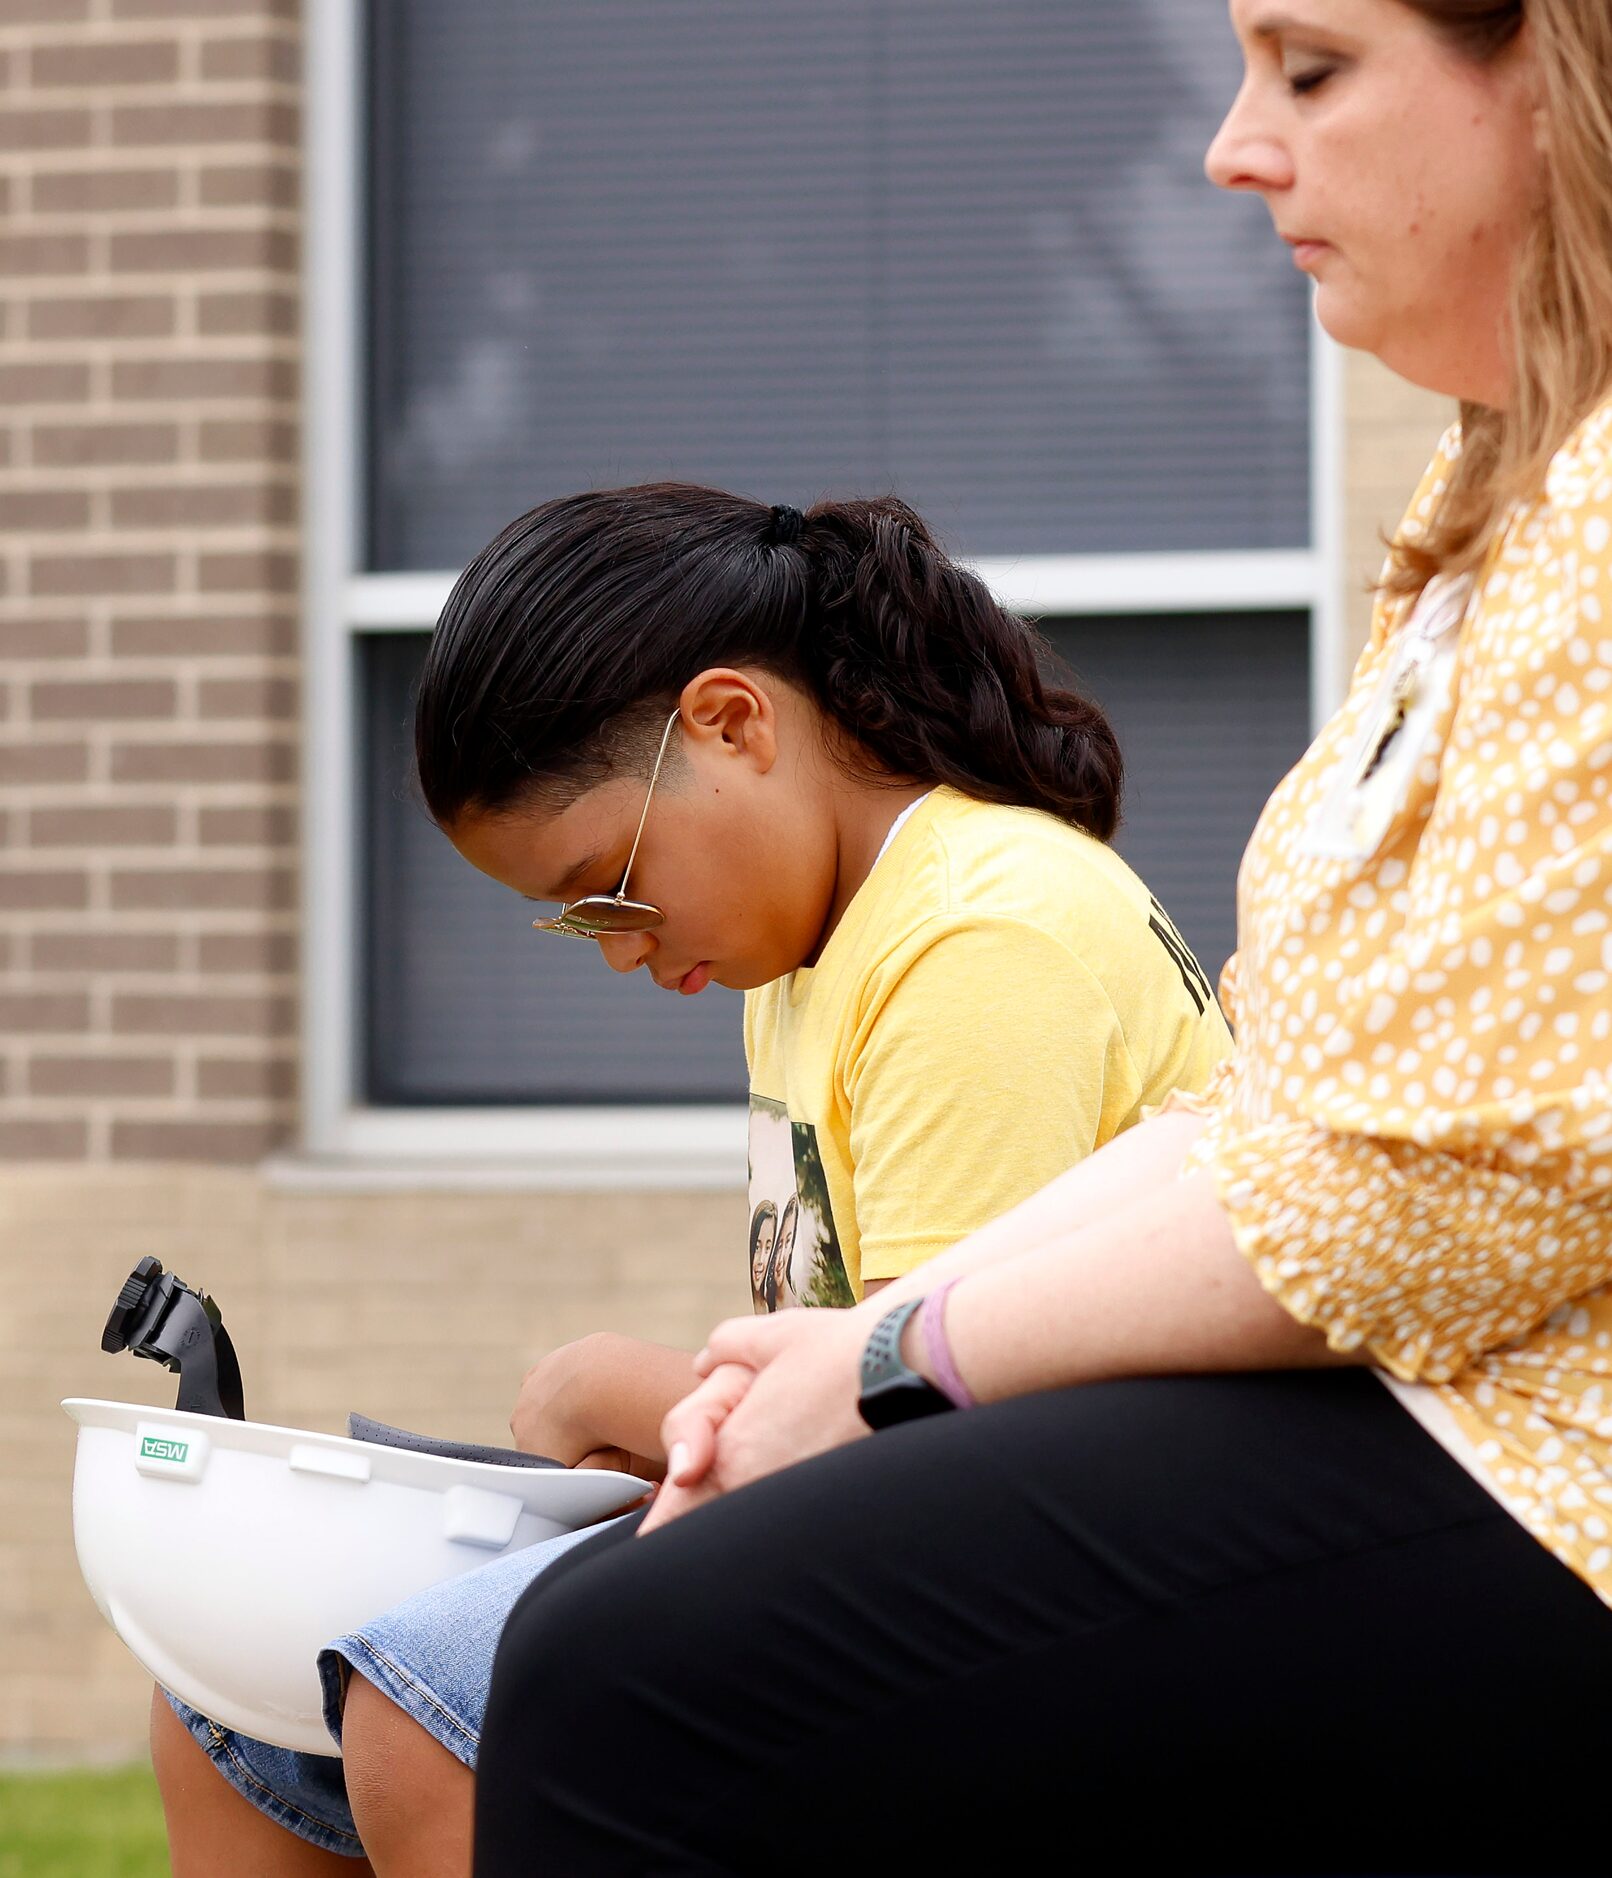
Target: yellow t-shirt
(1414, 1141)
(1000, 998)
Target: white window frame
(353, 1143)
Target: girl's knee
(405, 1789)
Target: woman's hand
(1157, 1289)
(779, 1390)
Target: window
(960, 251)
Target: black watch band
(891, 1390)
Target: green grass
(82, 1825)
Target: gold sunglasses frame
(640, 915)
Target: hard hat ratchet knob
(157, 1315)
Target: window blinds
(791, 247)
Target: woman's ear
(732, 714)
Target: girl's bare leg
(212, 1830)
(413, 1802)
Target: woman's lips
(694, 982)
(1306, 252)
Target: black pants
(1235, 1624)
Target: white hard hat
(226, 1554)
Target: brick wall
(1391, 429)
(148, 568)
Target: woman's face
(738, 851)
(1404, 176)
(760, 1257)
(783, 1288)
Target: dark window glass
(465, 1004)
(965, 251)
(1212, 711)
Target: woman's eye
(1301, 84)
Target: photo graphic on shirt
(795, 1255)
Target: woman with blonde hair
(1276, 1532)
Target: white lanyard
(1372, 784)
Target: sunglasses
(598, 915)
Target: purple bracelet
(932, 1329)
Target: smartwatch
(892, 1391)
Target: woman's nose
(1244, 155)
(626, 951)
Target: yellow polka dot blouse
(1414, 1139)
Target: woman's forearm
(1143, 1158)
(1156, 1287)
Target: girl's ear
(732, 714)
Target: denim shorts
(432, 1655)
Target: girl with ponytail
(809, 757)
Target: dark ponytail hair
(568, 639)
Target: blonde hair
(1561, 306)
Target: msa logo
(160, 1448)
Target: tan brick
(42, 12)
(102, 316)
(31, 762)
(101, 573)
(247, 697)
(256, 10)
(196, 250)
(80, 951)
(43, 254)
(43, 1010)
(248, 439)
(247, 953)
(255, 57)
(204, 889)
(120, 825)
(43, 638)
(216, 1014)
(204, 505)
(260, 313)
(101, 1076)
(39, 891)
(64, 1139)
(43, 508)
(82, 446)
(108, 62)
(44, 384)
(190, 379)
(264, 825)
(264, 571)
(44, 130)
(250, 185)
(195, 1141)
(251, 120)
(100, 699)
(272, 635)
(242, 1078)
(238, 761)
(83, 192)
